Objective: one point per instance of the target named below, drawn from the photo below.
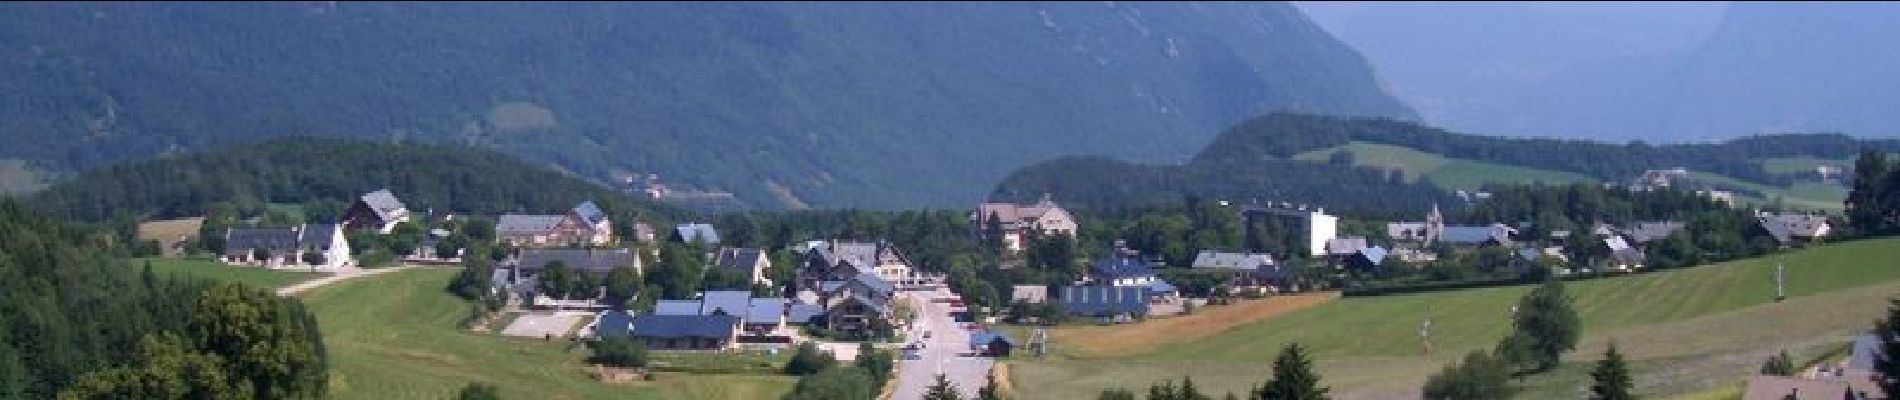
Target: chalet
(1122, 271)
(1264, 280)
(751, 262)
(1110, 303)
(1231, 261)
(585, 224)
(1645, 232)
(693, 232)
(838, 260)
(1792, 229)
(671, 332)
(1017, 221)
(378, 211)
(989, 343)
(800, 314)
(1623, 256)
(597, 262)
(309, 245)
(859, 305)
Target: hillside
(300, 169)
(1336, 161)
(837, 104)
(1702, 325)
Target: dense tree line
(1095, 182)
(79, 324)
(330, 173)
(1873, 202)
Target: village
(846, 292)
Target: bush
(619, 352)
(808, 360)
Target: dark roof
(1467, 234)
(1645, 232)
(1121, 267)
(765, 310)
(801, 313)
(589, 213)
(578, 259)
(738, 258)
(1105, 300)
(875, 284)
(878, 304)
(986, 337)
(247, 239)
(684, 326)
(702, 232)
(676, 307)
(733, 302)
(527, 224)
(383, 203)
(614, 323)
(1374, 254)
(318, 236)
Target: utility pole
(1780, 282)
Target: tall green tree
(806, 360)
(167, 368)
(878, 363)
(1611, 378)
(1479, 377)
(1545, 325)
(1293, 378)
(1887, 360)
(1868, 203)
(268, 342)
(623, 285)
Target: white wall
(1320, 228)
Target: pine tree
(1887, 360)
(1293, 378)
(1611, 379)
(1188, 391)
(1866, 209)
(942, 390)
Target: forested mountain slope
(838, 104)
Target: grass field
(1805, 194)
(1449, 173)
(1708, 326)
(169, 232)
(396, 336)
(219, 272)
(1801, 165)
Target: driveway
(947, 351)
(340, 274)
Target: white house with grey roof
(585, 224)
(751, 262)
(1019, 220)
(1208, 259)
(307, 246)
(839, 260)
(379, 211)
(1790, 229)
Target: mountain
(303, 170)
(1381, 165)
(837, 104)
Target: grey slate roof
(1105, 300)
(676, 307)
(1469, 234)
(802, 313)
(277, 240)
(518, 224)
(875, 284)
(684, 326)
(1374, 254)
(738, 258)
(694, 231)
(765, 310)
(318, 236)
(733, 302)
(1645, 232)
(1345, 245)
(383, 203)
(1121, 267)
(589, 213)
(1233, 261)
(595, 260)
(616, 323)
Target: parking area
(544, 324)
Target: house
(1208, 259)
(1623, 256)
(1425, 233)
(1264, 280)
(379, 211)
(1316, 227)
(763, 316)
(751, 262)
(1658, 179)
(1475, 235)
(839, 260)
(760, 316)
(1032, 294)
(1018, 221)
(1649, 231)
(308, 245)
(989, 343)
(1792, 229)
(1122, 271)
(801, 314)
(1110, 303)
(860, 305)
(1365, 259)
(643, 232)
(1345, 246)
(672, 332)
(696, 232)
(597, 262)
(585, 224)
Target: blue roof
(765, 310)
(1121, 267)
(1466, 234)
(733, 302)
(590, 213)
(803, 313)
(614, 323)
(1161, 286)
(1105, 300)
(703, 232)
(684, 326)
(676, 307)
(876, 284)
(1375, 254)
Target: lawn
(1801, 165)
(397, 336)
(220, 272)
(1449, 173)
(1804, 194)
(1693, 320)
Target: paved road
(340, 274)
(947, 351)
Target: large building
(753, 263)
(585, 224)
(309, 245)
(1018, 220)
(839, 260)
(379, 211)
(1314, 225)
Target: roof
(1645, 232)
(597, 260)
(877, 304)
(614, 323)
(738, 258)
(272, 239)
(1105, 300)
(1374, 254)
(684, 326)
(1473, 234)
(384, 204)
(1235, 261)
(1861, 356)
(694, 231)
(800, 313)
(1770, 387)
(1405, 230)
(518, 224)
(318, 236)
(1014, 215)
(1345, 245)
(761, 310)
(676, 307)
(1161, 286)
(732, 302)
(589, 213)
(1029, 293)
(1121, 267)
(1786, 227)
